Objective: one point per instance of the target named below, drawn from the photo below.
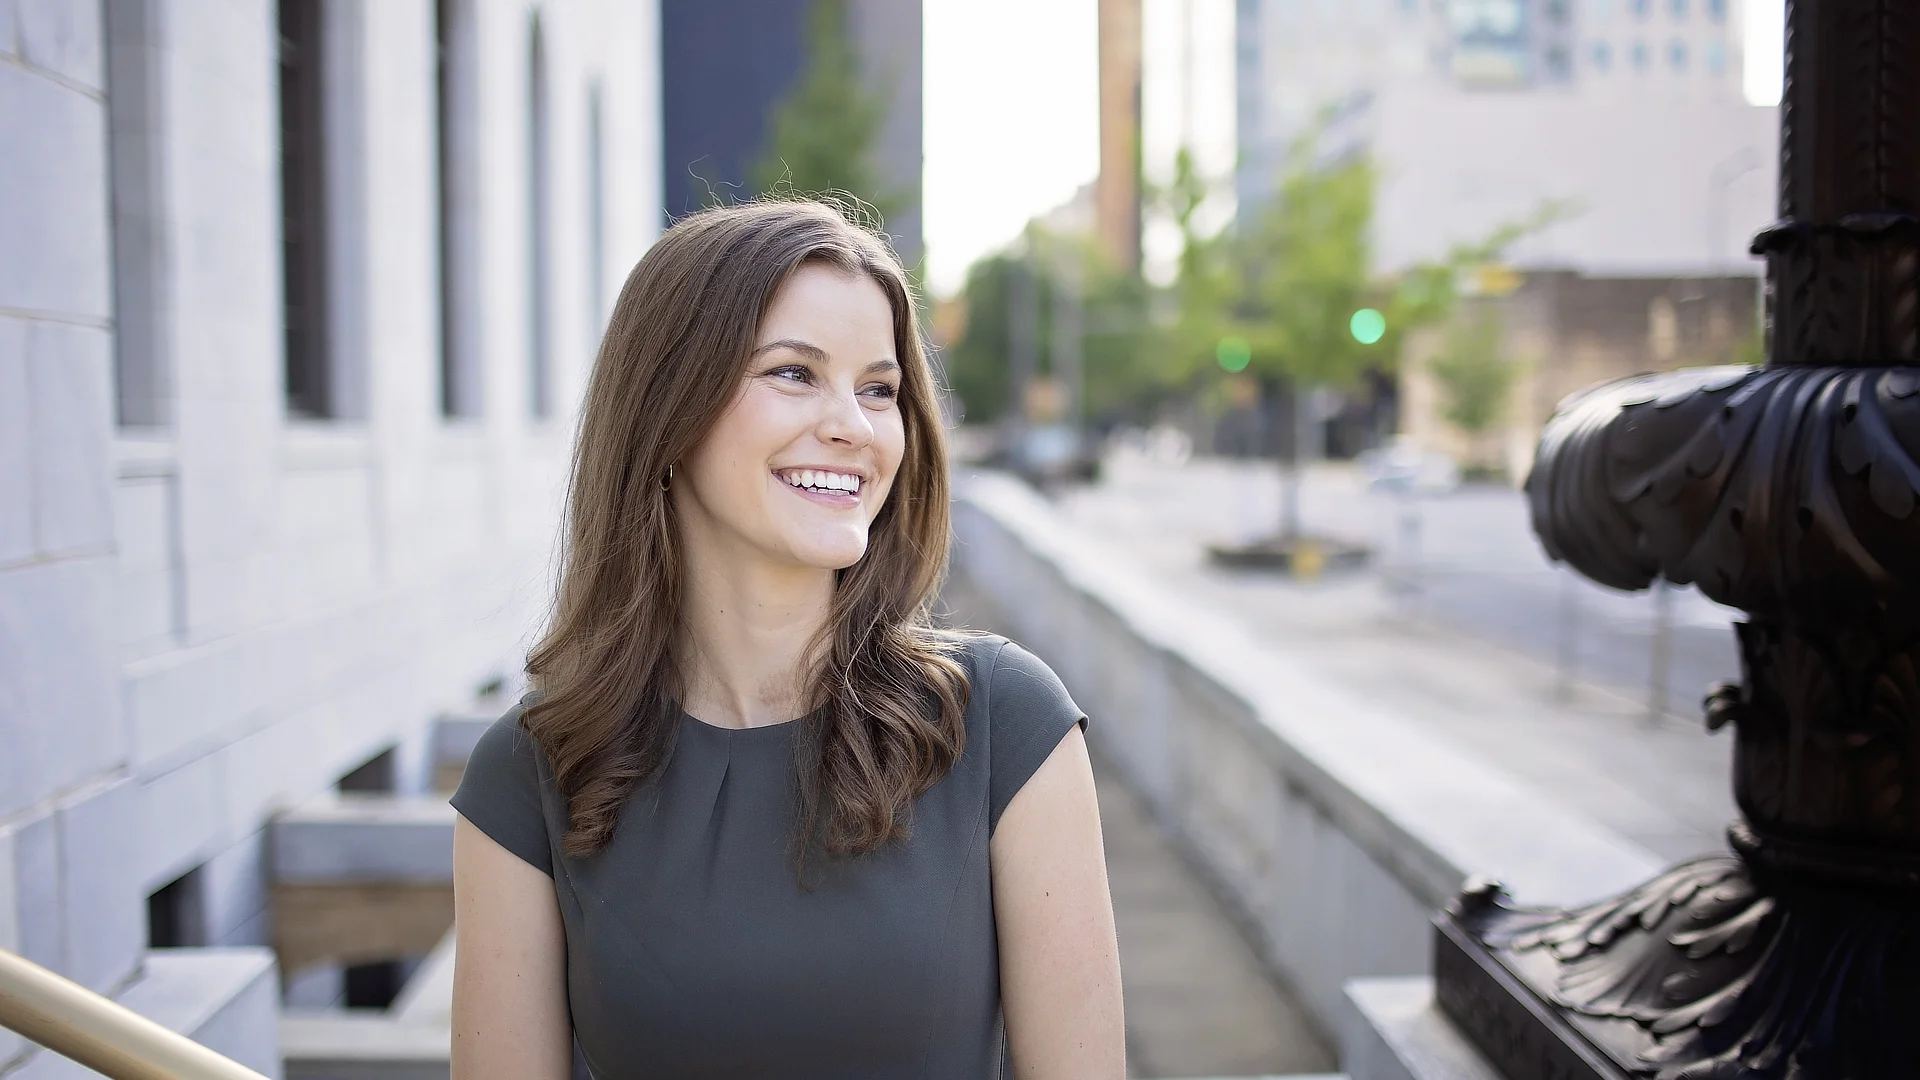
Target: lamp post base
(1720, 968)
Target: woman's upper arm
(510, 1017)
(1059, 956)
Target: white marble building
(296, 303)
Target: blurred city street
(1461, 634)
(1464, 629)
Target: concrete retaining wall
(1333, 828)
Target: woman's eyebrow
(819, 355)
(805, 348)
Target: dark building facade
(727, 64)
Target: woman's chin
(830, 552)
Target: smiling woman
(820, 406)
(757, 815)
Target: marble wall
(210, 609)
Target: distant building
(1117, 191)
(1295, 58)
(297, 301)
(1075, 217)
(1673, 189)
(727, 65)
(1568, 331)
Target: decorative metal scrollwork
(1789, 492)
(1708, 972)
(1768, 487)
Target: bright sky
(1764, 50)
(1011, 121)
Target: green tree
(1306, 271)
(1204, 292)
(978, 365)
(825, 130)
(1290, 283)
(1475, 374)
(1115, 352)
(1285, 290)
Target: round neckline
(747, 731)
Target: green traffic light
(1368, 326)
(1234, 353)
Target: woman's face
(802, 460)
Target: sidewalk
(1198, 1001)
(1662, 783)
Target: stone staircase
(362, 877)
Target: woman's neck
(747, 629)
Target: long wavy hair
(887, 692)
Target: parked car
(1055, 452)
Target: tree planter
(1304, 557)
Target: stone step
(1394, 1031)
(359, 878)
(411, 1040)
(342, 838)
(335, 1044)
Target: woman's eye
(793, 372)
(884, 391)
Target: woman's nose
(846, 420)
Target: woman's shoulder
(1022, 689)
(501, 789)
(1018, 707)
(996, 662)
(975, 649)
(507, 742)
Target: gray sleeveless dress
(693, 952)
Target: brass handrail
(100, 1033)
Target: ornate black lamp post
(1788, 491)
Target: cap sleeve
(500, 790)
(1029, 711)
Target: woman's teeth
(815, 480)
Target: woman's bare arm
(510, 1018)
(1059, 957)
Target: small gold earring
(667, 480)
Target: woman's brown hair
(889, 694)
